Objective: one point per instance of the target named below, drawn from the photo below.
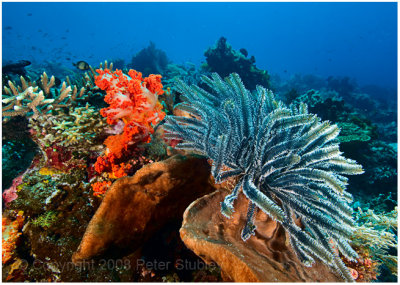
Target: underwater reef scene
(158, 171)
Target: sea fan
(287, 161)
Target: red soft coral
(133, 103)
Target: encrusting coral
(77, 127)
(288, 163)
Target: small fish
(82, 65)
(7, 28)
(68, 58)
(63, 38)
(29, 14)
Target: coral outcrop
(224, 60)
(150, 60)
(135, 207)
(265, 257)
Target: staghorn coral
(133, 103)
(33, 101)
(288, 163)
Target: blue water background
(340, 39)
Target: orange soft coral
(133, 101)
(99, 188)
(10, 230)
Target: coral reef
(380, 160)
(136, 207)
(360, 139)
(267, 257)
(57, 208)
(224, 60)
(69, 138)
(288, 163)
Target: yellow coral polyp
(48, 171)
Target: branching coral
(288, 163)
(28, 100)
(133, 103)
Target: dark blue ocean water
(340, 39)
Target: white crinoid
(287, 161)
